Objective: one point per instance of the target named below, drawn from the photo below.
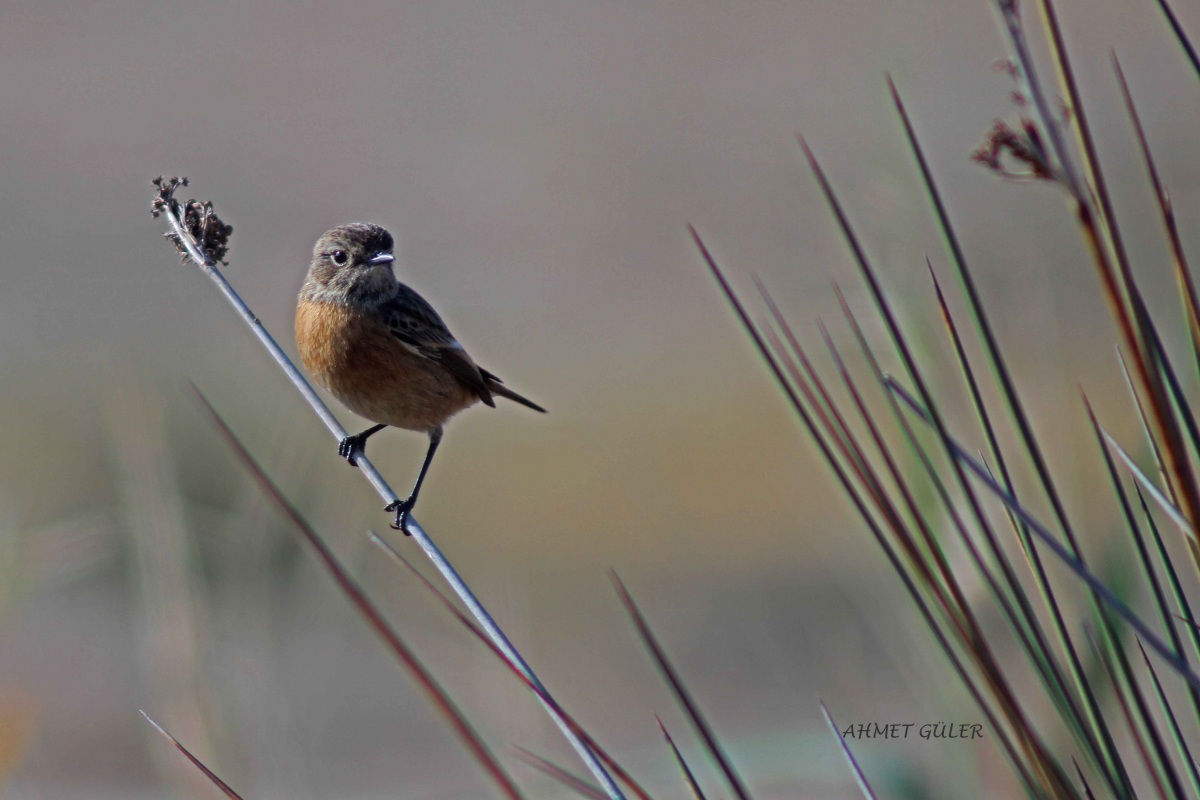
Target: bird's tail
(496, 387)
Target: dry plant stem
(1187, 286)
(1020, 418)
(1073, 562)
(1103, 251)
(918, 597)
(209, 267)
(1040, 756)
(208, 773)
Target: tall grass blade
(1170, 508)
(1187, 287)
(1185, 752)
(1009, 748)
(1042, 656)
(859, 776)
(1176, 590)
(1180, 35)
(208, 773)
(1136, 330)
(1160, 599)
(681, 693)
(1047, 764)
(1025, 770)
(697, 793)
(1122, 701)
(1074, 563)
(1104, 750)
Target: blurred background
(538, 162)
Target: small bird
(381, 349)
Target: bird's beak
(382, 258)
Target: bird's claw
(351, 448)
(402, 509)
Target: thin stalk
(474, 628)
(1123, 702)
(859, 776)
(209, 267)
(1163, 501)
(1043, 657)
(1147, 720)
(1185, 752)
(1134, 330)
(1187, 287)
(688, 776)
(1114, 773)
(572, 782)
(1073, 562)
(1176, 590)
(1010, 750)
(1047, 764)
(1180, 35)
(736, 784)
(197, 763)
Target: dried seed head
(207, 231)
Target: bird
(382, 350)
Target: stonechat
(381, 349)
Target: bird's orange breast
(373, 373)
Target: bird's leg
(402, 509)
(354, 446)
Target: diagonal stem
(209, 267)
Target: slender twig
(208, 265)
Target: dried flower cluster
(1020, 143)
(207, 230)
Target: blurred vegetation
(140, 569)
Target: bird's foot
(352, 447)
(402, 509)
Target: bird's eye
(340, 257)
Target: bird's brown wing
(414, 322)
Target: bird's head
(352, 262)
